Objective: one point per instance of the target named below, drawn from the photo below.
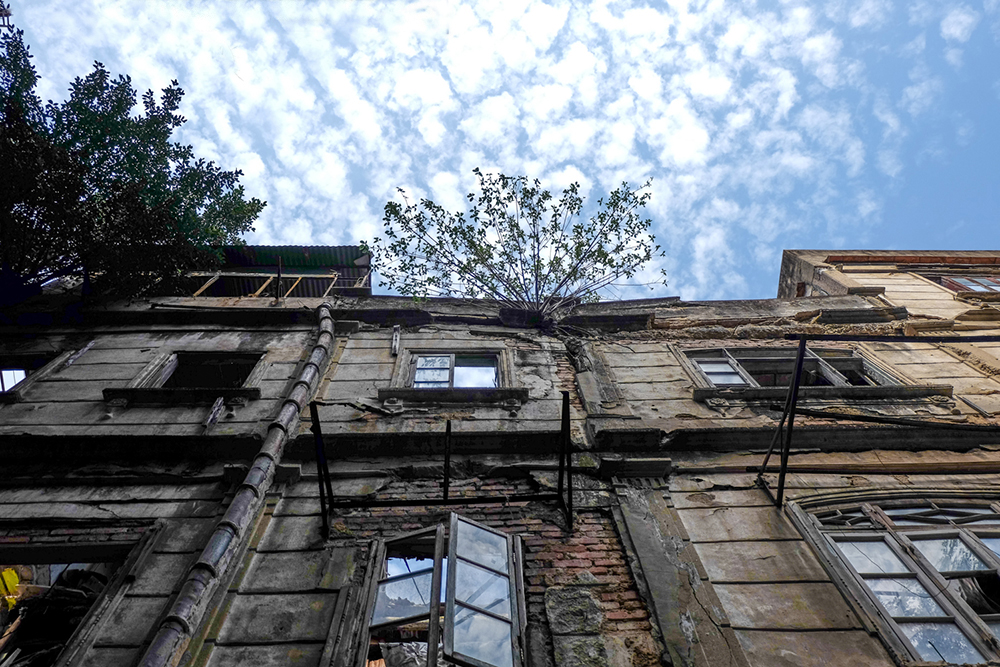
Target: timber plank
(736, 523)
(159, 492)
(767, 561)
(791, 606)
(813, 649)
(354, 372)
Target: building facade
(274, 467)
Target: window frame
(17, 392)
(147, 386)
(891, 384)
(507, 391)
(900, 541)
(951, 283)
(442, 633)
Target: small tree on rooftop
(517, 245)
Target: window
(443, 371)
(928, 571)
(477, 614)
(19, 371)
(765, 373)
(969, 283)
(474, 375)
(195, 377)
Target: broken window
(969, 283)
(774, 367)
(454, 598)
(195, 377)
(458, 371)
(930, 570)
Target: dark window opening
(774, 367)
(42, 605)
(195, 370)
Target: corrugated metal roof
(293, 256)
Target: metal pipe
(787, 445)
(186, 612)
(568, 448)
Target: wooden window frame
(900, 540)
(147, 386)
(16, 394)
(507, 392)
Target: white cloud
(959, 23)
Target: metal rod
(447, 457)
(787, 445)
(567, 447)
(462, 500)
(895, 339)
(320, 459)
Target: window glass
(483, 637)
(721, 373)
(872, 557)
(949, 555)
(9, 377)
(937, 642)
(482, 588)
(482, 546)
(904, 597)
(405, 597)
(993, 543)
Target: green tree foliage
(91, 190)
(518, 245)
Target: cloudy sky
(764, 125)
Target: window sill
(702, 394)
(467, 395)
(139, 395)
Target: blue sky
(764, 125)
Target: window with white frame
(476, 617)
(929, 570)
(455, 371)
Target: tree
(96, 191)
(518, 246)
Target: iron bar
(447, 457)
(322, 470)
(787, 444)
(894, 339)
(461, 500)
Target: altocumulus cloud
(762, 124)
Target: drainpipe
(205, 575)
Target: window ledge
(776, 393)
(136, 395)
(465, 395)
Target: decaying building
(271, 466)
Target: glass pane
(993, 543)
(434, 362)
(941, 641)
(482, 546)
(904, 597)
(483, 589)
(431, 375)
(396, 566)
(950, 555)
(483, 637)
(475, 376)
(726, 378)
(402, 598)
(715, 367)
(994, 627)
(9, 378)
(430, 385)
(871, 557)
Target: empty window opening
(459, 371)
(211, 371)
(42, 605)
(774, 367)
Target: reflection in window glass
(482, 546)
(476, 372)
(483, 589)
(904, 597)
(950, 555)
(720, 373)
(993, 543)
(941, 642)
(9, 377)
(871, 557)
(482, 637)
(402, 598)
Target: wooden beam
(263, 287)
(207, 284)
(290, 289)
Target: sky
(763, 125)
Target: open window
(969, 283)
(924, 571)
(766, 372)
(191, 377)
(454, 598)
